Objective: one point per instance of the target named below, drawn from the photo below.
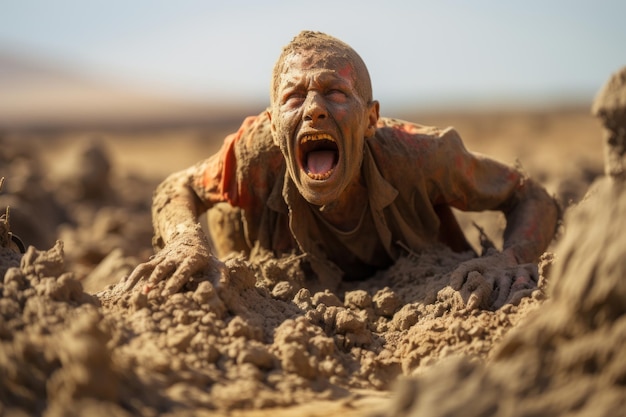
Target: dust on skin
(320, 117)
(308, 79)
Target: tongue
(320, 162)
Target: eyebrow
(321, 77)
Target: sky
(422, 53)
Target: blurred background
(70, 61)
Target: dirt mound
(249, 340)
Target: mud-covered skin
(499, 278)
(181, 245)
(320, 96)
(315, 99)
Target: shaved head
(328, 50)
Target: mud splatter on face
(320, 122)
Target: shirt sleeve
(216, 180)
(244, 171)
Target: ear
(268, 112)
(372, 118)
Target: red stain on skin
(458, 161)
(346, 71)
(531, 229)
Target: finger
(476, 291)
(140, 272)
(523, 286)
(458, 277)
(219, 274)
(179, 278)
(220, 270)
(533, 271)
(526, 276)
(502, 289)
(529, 270)
(517, 296)
(161, 272)
(523, 282)
(188, 268)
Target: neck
(346, 212)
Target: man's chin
(318, 195)
(317, 200)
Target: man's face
(319, 121)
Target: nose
(314, 108)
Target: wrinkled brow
(323, 77)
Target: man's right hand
(177, 262)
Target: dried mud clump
(53, 344)
(236, 342)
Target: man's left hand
(493, 280)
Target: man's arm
(531, 221)
(473, 182)
(182, 247)
(476, 183)
(176, 207)
(181, 244)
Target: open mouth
(319, 155)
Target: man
(319, 173)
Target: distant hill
(39, 94)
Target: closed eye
(293, 97)
(336, 95)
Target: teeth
(317, 136)
(320, 177)
(308, 138)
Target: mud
(567, 359)
(259, 341)
(243, 342)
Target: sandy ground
(259, 342)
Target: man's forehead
(298, 67)
(294, 76)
